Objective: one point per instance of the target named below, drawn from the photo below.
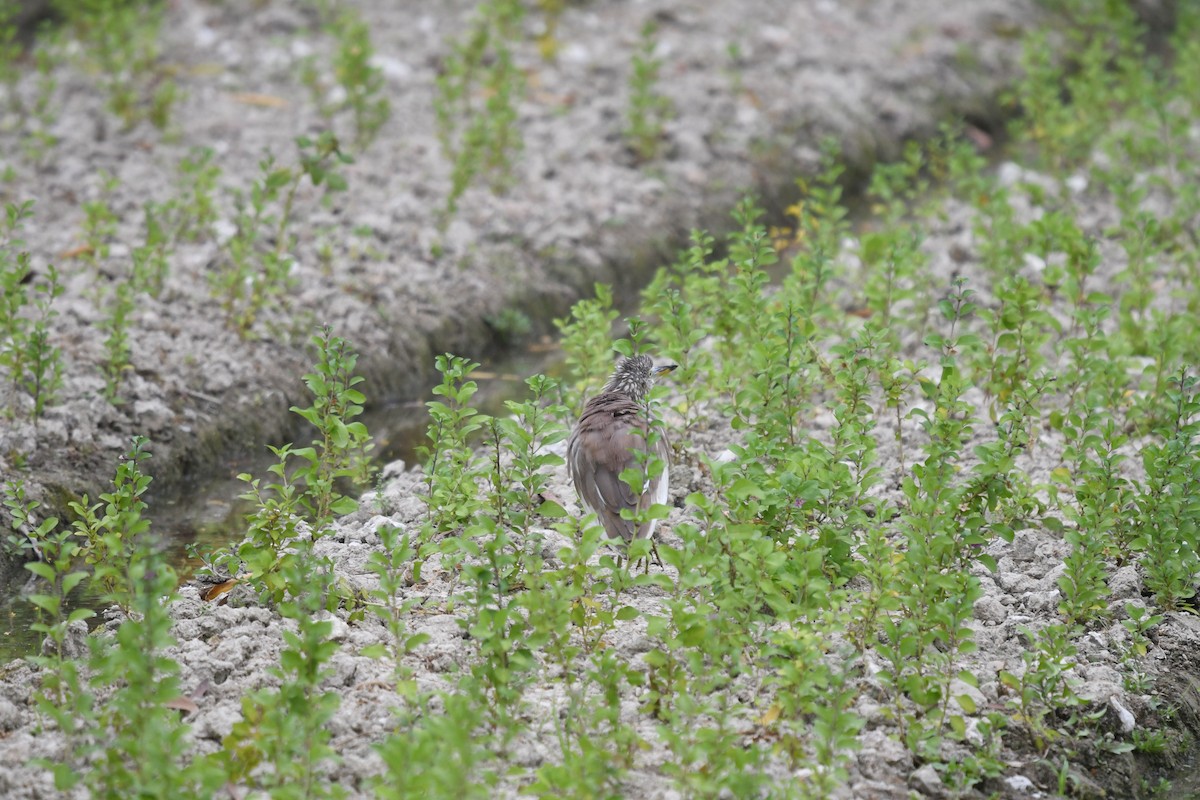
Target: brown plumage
(612, 428)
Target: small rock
(1125, 583)
(1042, 601)
(152, 415)
(575, 53)
(927, 781)
(1035, 264)
(990, 610)
(1009, 174)
(960, 687)
(10, 716)
(1024, 546)
(217, 378)
(74, 643)
(1020, 784)
(392, 68)
(224, 230)
(340, 629)
(1015, 582)
(391, 471)
(1124, 715)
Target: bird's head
(635, 375)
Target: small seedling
(649, 110)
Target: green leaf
(343, 506)
(41, 569)
(80, 614)
(551, 509)
(743, 488)
(655, 658)
(416, 640)
(71, 580)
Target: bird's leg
(654, 550)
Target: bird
(613, 428)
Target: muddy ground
(755, 87)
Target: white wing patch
(664, 484)
(660, 494)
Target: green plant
(1150, 742)
(43, 359)
(481, 138)
(256, 273)
(195, 207)
(526, 438)
(1099, 490)
(1043, 687)
(33, 363)
(361, 82)
(677, 334)
(22, 518)
(1166, 523)
(150, 263)
(451, 476)
(121, 46)
(286, 728)
(1020, 329)
(10, 52)
(133, 742)
(1138, 622)
(648, 109)
(491, 564)
(117, 347)
(509, 326)
(298, 505)
(56, 551)
(438, 754)
(342, 450)
(110, 537)
(100, 221)
(586, 340)
(821, 213)
(142, 746)
(393, 566)
(42, 115)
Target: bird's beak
(664, 369)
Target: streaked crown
(634, 376)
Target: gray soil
(581, 210)
(868, 73)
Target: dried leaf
(261, 100)
(770, 716)
(215, 591)
(185, 704)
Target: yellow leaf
(772, 714)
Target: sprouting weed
(480, 137)
(649, 110)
